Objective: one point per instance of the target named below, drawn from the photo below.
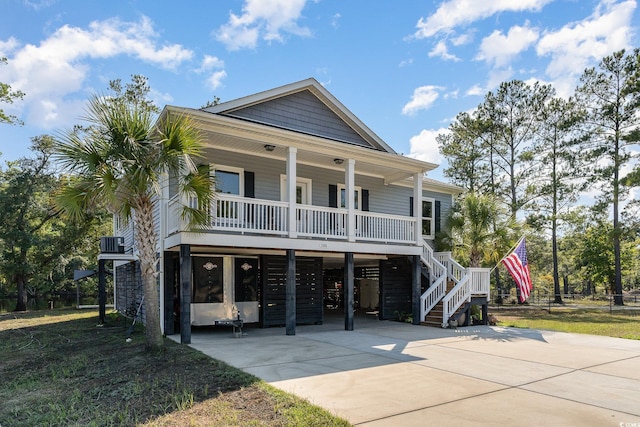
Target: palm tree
(119, 162)
(475, 226)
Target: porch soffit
(228, 134)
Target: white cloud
(440, 49)
(577, 45)
(266, 19)
(335, 19)
(499, 75)
(215, 79)
(406, 62)
(210, 62)
(453, 13)
(476, 90)
(462, 39)
(451, 95)
(422, 98)
(58, 67)
(8, 47)
(425, 147)
(499, 49)
(38, 5)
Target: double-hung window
(428, 224)
(357, 197)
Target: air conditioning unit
(112, 245)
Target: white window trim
(232, 169)
(433, 221)
(355, 188)
(306, 181)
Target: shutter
(333, 196)
(249, 184)
(365, 200)
(411, 206)
(436, 214)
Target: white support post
(349, 196)
(417, 207)
(291, 190)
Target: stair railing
(480, 281)
(438, 276)
(461, 292)
(455, 271)
(432, 296)
(454, 299)
(427, 259)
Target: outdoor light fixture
(338, 161)
(269, 147)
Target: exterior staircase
(451, 287)
(435, 316)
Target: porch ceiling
(240, 136)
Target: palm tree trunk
(146, 240)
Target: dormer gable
(305, 107)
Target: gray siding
(302, 112)
(388, 199)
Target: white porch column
(291, 190)
(349, 198)
(417, 207)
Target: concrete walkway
(396, 374)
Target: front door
(303, 190)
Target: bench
(236, 324)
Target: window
(357, 197)
(428, 225)
(229, 180)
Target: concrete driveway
(394, 374)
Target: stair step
(431, 324)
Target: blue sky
(405, 68)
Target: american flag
(516, 263)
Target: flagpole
(508, 252)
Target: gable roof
(306, 107)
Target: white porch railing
(233, 213)
(239, 214)
(319, 221)
(385, 228)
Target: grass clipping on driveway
(60, 368)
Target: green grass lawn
(60, 368)
(619, 323)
